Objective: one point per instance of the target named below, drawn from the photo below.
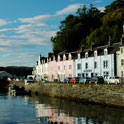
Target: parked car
(97, 80)
(45, 81)
(29, 80)
(67, 80)
(113, 79)
(84, 80)
(74, 80)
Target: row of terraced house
(103, 61)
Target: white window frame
(122, 62)
(78, 66)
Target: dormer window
(122, 50)
(64, 57)
(54, 58)
(95, 53)
(105, 51)
(70, 56)
(79, 56)
(58, 58)
(86, 55)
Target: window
(58, 58)
(64, 57)
(95, 64)
(86, 55)
(79, 75)
(54, 58)
(105, 52)
(58, 67)
(122, 62)
(86, 65)
(122, 50)
(70, 75)
(105, 64)
(70, 57)
(122, 73)
(78, 66)
(70, 66)
(105, 74)
(95, 53)
(79, 56)
(64, 67)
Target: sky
(26, 27)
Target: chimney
(110, 41)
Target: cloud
(3, 22)
(36, 19)
(101, 9)
(69, 9)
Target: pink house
(60, 66)
(65, 66)
(57, 117)
(52, 67)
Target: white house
(99, 61)
(42, 68)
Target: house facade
(120, 58)
(100, 61)
(52, 68)
(65, 66)
(42, 68)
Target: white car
(29, 80)
(114, 80)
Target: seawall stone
(112, 95)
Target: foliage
(74, 29)
(17, 71)
(90, 26)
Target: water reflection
(58, 111)
(46, 110)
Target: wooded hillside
(90, 26)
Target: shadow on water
(103, 114)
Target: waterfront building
(120, 58)
(60, 66)
(42, 68)
(52, 67)
(98, 61)
(65, 65)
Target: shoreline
(107, 95)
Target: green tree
(74, 29)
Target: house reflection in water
(51, 115)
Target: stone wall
(112, 95)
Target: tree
(74, 29)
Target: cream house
(42, 68)
(120, 59)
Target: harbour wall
(110, 95)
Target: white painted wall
(100, 69)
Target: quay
(108, 95)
